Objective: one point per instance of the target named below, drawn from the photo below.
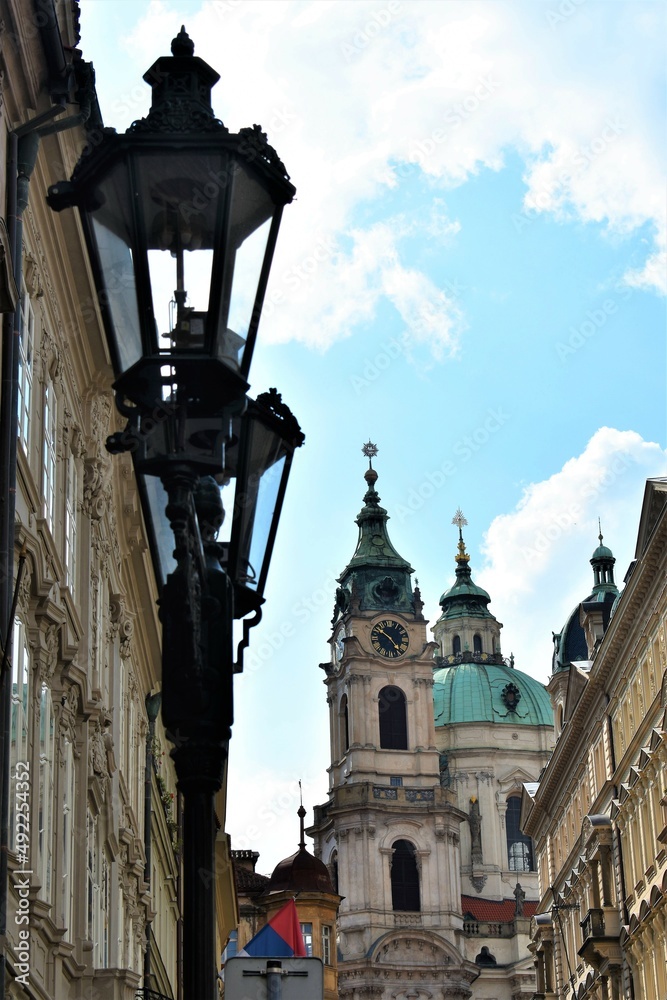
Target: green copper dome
(489, 692)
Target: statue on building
(475, 821)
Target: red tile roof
(248, 881)
(494, 910)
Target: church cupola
(602, 562)
(588, 621)
(466, 629)
(376, 578)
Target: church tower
(390, 830)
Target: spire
(301, 813)
(465, 598)
(459, 519)
(377, 575)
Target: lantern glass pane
(180, 196)
(268, 489)
(162, 536)
(251, 211)
(257, 492)
(182, 200)
(196, 282)
(112, 232)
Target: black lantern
(178, 208)
(252, 485)
(179, 205)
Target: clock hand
(394, 644)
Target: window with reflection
(519, 846)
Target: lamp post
(178, 194)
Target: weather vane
(370, 450)
(459, 520)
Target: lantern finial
(182, 45)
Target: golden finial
(459, 520)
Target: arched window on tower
(393, 719)
(456, 645)
(404, 877)
(477, 643)
(519, 846)
(343, 725)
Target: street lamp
(178, 200)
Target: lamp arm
(248, 623)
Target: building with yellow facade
(598, 816)
(93, 827)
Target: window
(71, 525)
(326, 944)
(26, 349)
(49, 455)
(393, 723)
(519, 846)
(404, 877)
(307, 932)
(396, 781)
(477, 643)
(456, 645)
(344, 725)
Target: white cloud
(356, 97)
(537, 556)
(264, 816)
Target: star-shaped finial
(459, 520)
(370, 450)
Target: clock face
(389, 638)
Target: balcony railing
(600, 931)
(487, 928)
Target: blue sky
(472, 276)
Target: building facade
(301, 877)
(598, 816)
(93, 827)
(431, 741)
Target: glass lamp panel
(154, 501)
(250, 215)
(197, 284)
(258, 493)
(182, 199)
(112, 234)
